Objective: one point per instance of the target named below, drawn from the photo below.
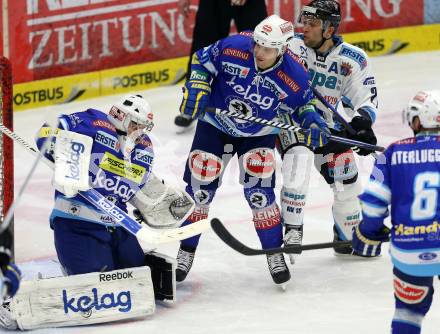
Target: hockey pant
(210, 153)
(338, 167)
(84, 247)
(413, 298)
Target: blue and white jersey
(407, 177)
(343, 74)
(110, 174)
(238, 85)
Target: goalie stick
(235, 244)
(144, 234)
(284, 126)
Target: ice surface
(227, 292)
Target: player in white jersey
(342, 74)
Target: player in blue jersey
(120, 168)
(407, 178)
(254, 74)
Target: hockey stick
(232, 242)
(284, 126)
(142, 232)
(339, 117)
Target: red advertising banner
(50, 38)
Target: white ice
(227, 292)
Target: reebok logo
(115, 276)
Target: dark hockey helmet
(328, 11)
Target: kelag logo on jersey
(235, 69)
(86, 303)
(107, 140)
(264, 102)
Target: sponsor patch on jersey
(288, 81)
(409, 293)
(267, 218)
(114, 184)
(205, 166)
(427, 256)
(369, 81)
(235, 69)
(341, 166)
(346, 69)
(247, 33)
(354, 55)
(99, 123)
(199, 75)
(117, 166)
(236, 53)
(274, 88)
(258, 199)
(202, 196)
(259, 162)
(199, 213)
(107, 140)
(403, 230)
(144, 156)
(47, 131)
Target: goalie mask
(132, 108)
(274, 32)
(133, 117)
(426, 106)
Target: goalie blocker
(92, 298)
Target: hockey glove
(314, 138)
(369, 244)
(11, 279)
(308, 118)
(364, 133)
(196, 93)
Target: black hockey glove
(5, 248)
(364, 133)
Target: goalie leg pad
(163, 275)
(84, 299)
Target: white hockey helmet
(425, 105)
(274, 32)
(132, 108)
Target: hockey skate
(185, 258)
(183, 123)
(293, 237)
(278, 268)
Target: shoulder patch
(247, 33)
(411, 140)
(297, 59)
(288, 81)
(236, 53)
(99, 123)
(355, 55)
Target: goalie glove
(161, 206)
(368, 244)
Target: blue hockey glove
(11, 278)
(369, 244)
(196, 94)
(315, 138)
(308, 118)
